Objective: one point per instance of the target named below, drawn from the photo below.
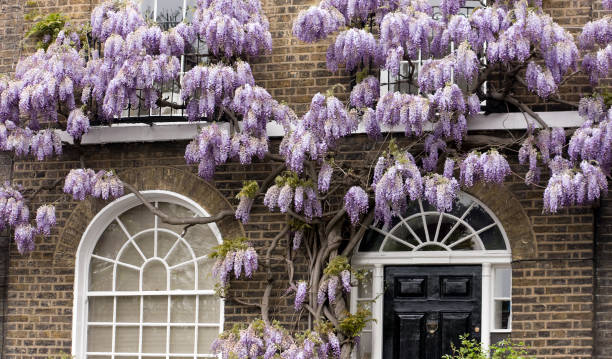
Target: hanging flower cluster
(440, 191)
(43, 82)
(77, 124)
(356, 203)
(113, 17)
(205, 88)
(81, 183)
(355, 48)
(300, 294)
(264, 340)
(570, 186)
(595, 38)
(410, 111)
(318, 130)
(292, 192)
(317, 22)
(365, 93)
(210, 149)
(45, 219)
(235, 255)
(396, 178)
(246, 196)
(233, 29)
(490, 167)
(337, 272)
(593, 141)
(14, 213)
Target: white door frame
(378, 260)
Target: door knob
(432, 326)
(477, 329)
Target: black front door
(428, 307)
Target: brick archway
(147, 178)
(512, 216)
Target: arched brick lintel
(512, 216)
(146, 178)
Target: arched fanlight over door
(469, 226)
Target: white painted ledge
(178, 131)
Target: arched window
(143, 288)
(427, 243)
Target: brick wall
(552, 292)
(603, 298)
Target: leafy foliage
(45, 30)
(471, 348)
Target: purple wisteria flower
(45, 219)
(346, 280)
(325, 174)
(24, 237)
(440, 191)
(300, 294)
(45, 144)
(489, 167)
(353, 48)
(356, 203)
(78, 123)
(298, 236)
(317, 22)
(244, 209)
(365, 93)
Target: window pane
(364, 288)
(191, 6)
(493, 239)
(154, 276)
(201, 239)
(176, 210)
(165, 241)
(206, 336)
(126, 340)
(478, 217)
(153, 340)
(503, 282)
(209, 309)
(131, 256)
(155, 309)
(103, 339)
(146, 243)
(100, 309)
(169, 12)
(183, 277)
(182, 309)
(128, 309)
(111, 241)
(179, 254)
(100, 275)
(502, 314)
(205, 278)
(127, 278)
(137, 219)
(146, 8)
(365, 346)
(181, 339)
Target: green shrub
(472, 349)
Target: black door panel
(428, 307)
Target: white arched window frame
(82, 293)
(434, 248)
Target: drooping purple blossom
(440, 191)
(365, 93)
(45, 219)
(78, 123)
(298, 236)
(356, 203)
(325, 175)
(346, 280)
(300, 294)
(317, 22)
(24, 237)
(244, 209)
(353, 48)
(45, 144)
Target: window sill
(180, 131)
